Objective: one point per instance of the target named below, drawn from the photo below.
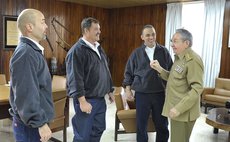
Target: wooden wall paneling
(68, 14)
(118, 43)
(20, 5)
(158, 18)
(225, 53)
(105, 30)
(77, 13)
(120, 30)
(8, 9)
(62, 14)
(67, 37)
(126, 31)
(1, 39)
(102, 16)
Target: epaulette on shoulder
(188, 56)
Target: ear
(187, 42)
(142, 37)
(29, 27)
(86, 30)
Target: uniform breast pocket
(179, 79)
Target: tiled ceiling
(122, 3)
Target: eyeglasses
(176, 41)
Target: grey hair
(185, 35)
(87, 22)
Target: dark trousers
(146, 104)
(23, 133)
(89, 127)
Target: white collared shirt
(39, 45)
(150, 52)
(94, 47)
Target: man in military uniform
(184, 86)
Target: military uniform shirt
(184, 86)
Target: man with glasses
(184, 86)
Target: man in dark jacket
(30, 91)
(148, 86)
(88, 81)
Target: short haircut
(26, 16)
(185, 35)
(146, 27)
(87, 22)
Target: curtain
(173, 22)
(213, 31)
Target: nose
(172, 44)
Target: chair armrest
(58, 94)
(126, 114)
(131, 104)
(207, 91)
(119, 101)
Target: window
(193, 21)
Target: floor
(202, 132)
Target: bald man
(30, 91)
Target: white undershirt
(150, 52)
(94, 47)
(38, 45)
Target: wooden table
(219, 118)
(4, 102)
(4, 108)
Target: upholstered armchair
(217, 96)
(126, 115)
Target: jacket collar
(182, 54)
(156, 47)
(31, 43)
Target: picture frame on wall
(229, 37)
(10, 32)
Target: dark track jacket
(140, 76)
(87, 74)
(30, 91)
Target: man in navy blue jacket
(30, 91)
(88, 81)
(149, 87)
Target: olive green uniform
(184, 86)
